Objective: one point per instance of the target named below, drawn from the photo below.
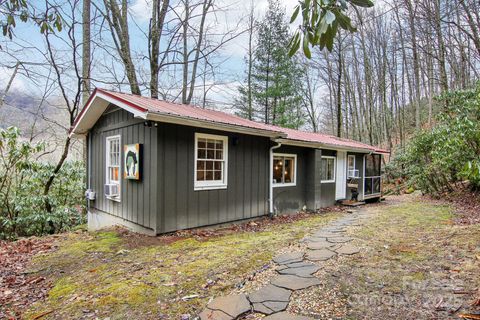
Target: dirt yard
(415, 263)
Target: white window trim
(334, 169)
(289, 184)
(107, 162)
(210, 185)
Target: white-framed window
(211, 161)
(327, 173)
(352, 170)
(113, 163)
(284, 169)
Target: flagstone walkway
(295, 272)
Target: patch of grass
(102, 242)
(62, 288)
(411, 250)
(149, 282)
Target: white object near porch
(341, 180)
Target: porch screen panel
(373, 174)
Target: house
(157, 167)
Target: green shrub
(22, 180)
(435, 160)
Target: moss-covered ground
(101, 274)
(415, 263)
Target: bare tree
(117, 18)
(159, 12)
(86, 54)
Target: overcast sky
(232, 54)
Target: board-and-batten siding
(181, 207)
(136, 205)
(164, 199)
(328, 188)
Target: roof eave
(199, 123)
(86, 120)
(319, 145)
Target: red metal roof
(328, 140)
(149, 105)
(186, 111)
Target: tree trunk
(118, 21)
(339, 93)
(86, 51)
(416, 66)
(154, 37)
(251, 24)
(441, 46)
(206, 6)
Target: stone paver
(208, 314)
(299, 264)
(270, 299)
(261, 308)
(286, 316)
(269, 307)
(317, 245)
(306, 271)
(320, 255)
(293, 282)
(270, 293)
(324, 234)
(289, 257)
(347, 249)
(335, 230)
(339, 239)
(233, 306)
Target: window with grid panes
(113, 159)
(211, 153)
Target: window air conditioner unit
(354, 173)
(111, 190)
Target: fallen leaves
(18, 287)
(466, 203)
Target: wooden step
(349, 203)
